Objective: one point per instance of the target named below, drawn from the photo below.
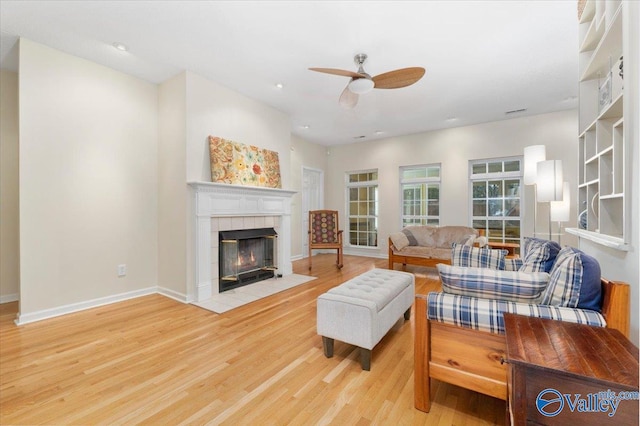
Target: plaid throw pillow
(513, 264)
(486, 283)
(539, 255)
(565, 280)
(463, 255)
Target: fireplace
(246, 256)
(219, 207)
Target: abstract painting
(240, 164)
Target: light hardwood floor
(156, 361)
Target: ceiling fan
(362, 83)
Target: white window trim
(497, 176)
(426, 180)
(348, 185)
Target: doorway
(312, 199)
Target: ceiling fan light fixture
(361, 85)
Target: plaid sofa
(549, 282)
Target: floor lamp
(532, 156)
(560, 210)
(549, 183)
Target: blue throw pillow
(591, 288)
(539, 255)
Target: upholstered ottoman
(362, 310)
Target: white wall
(453, 148)
(303, 154)
(88, 181)
(173, 196)
(9, 213)
(215, 110)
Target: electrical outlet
(122, 270)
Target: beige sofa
(426, 245)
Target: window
(420, 189)
(362, 199)
(495, 198)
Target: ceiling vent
(515, 111)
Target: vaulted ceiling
(482, 58)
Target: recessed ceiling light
(279, 85)
(451, 119)
(378, 132)
(120, 46)
(306, 126)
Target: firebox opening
(246, 256)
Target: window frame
(362, 184)
(502, 176)
(423, 219)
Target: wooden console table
(551, 362)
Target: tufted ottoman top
(379, 286)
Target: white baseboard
(365, 252)
(172, 294)
(81, 306)
(9, 298)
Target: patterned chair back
(323, 227)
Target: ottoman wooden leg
(327, 346)
(407, 314)
(365, 359)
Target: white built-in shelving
(601, 142)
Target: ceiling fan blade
(336, 71)
(398, 78)
(348, 99)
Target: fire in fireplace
(246, 256)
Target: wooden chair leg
(309, 257)
(340, 258)
(422, 352)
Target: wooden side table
(510, 247)
(569, 372)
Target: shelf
(614, 110)
(605, 240)
(611, 196)
(606, 150)
(591, 182)
(592, 159)
(593, 36)
(588, 12)
(610, 46)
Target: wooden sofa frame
(474, 359)
(413, 260)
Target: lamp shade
(560, 209)
(549, 180)
(361, 85)
(532, 156)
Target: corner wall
(9, 212)
(88, 183)
(173, 196)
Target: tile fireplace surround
(222, 207)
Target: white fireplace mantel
(224, 200)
